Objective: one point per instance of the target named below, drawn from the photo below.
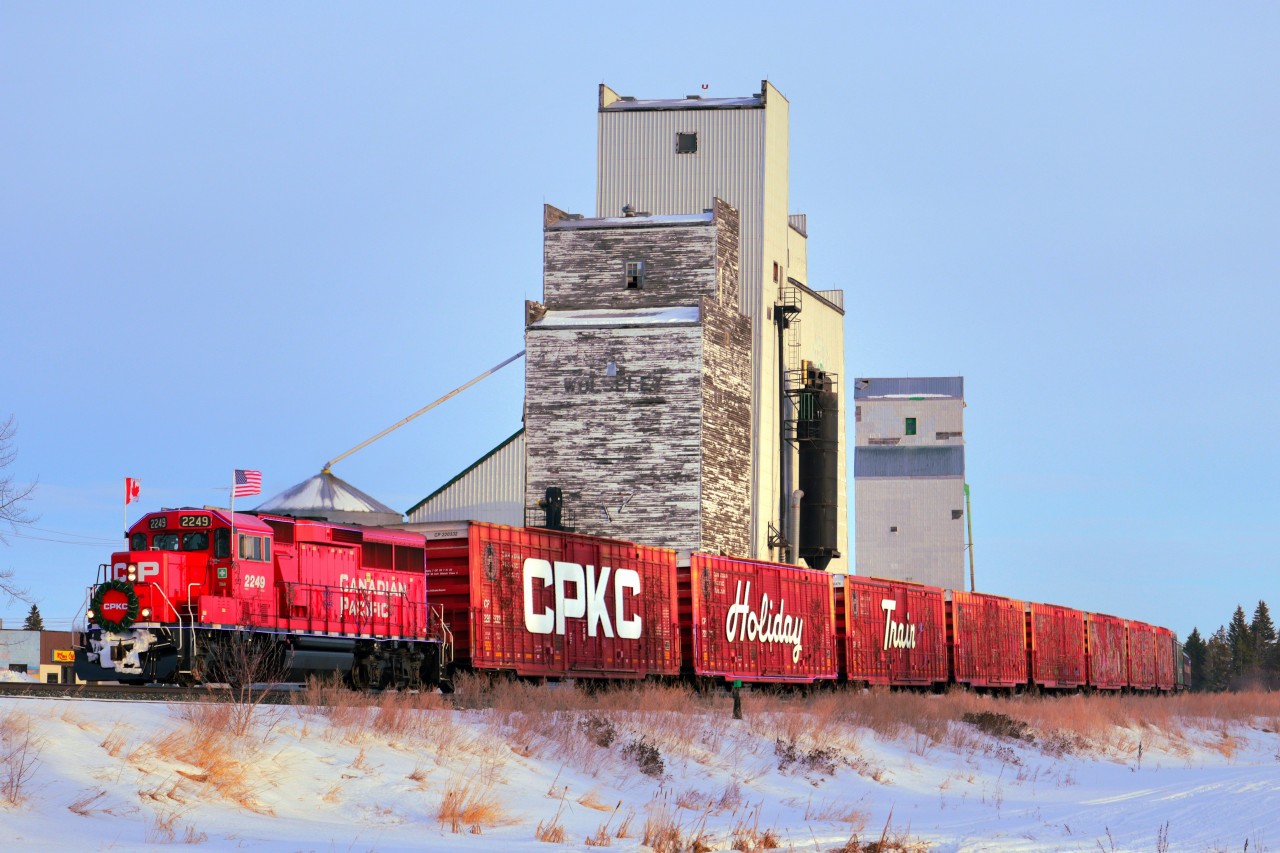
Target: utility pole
(968, 517)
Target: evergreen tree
(1240, 642)
(34, 621)
(1263, 632)
(1196, 651)
(1217, 666)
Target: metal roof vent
(628, 210)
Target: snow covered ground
(805, 774)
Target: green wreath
(130, 616)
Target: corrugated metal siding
(883, 422)
(742, 159)
(928, 545)
(491, 490)
(952, 386)
(908, 462)
(638, 166)
(910, 651)
(740, 611)
(20, 648)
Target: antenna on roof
(335, 460)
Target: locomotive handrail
(446, 633)
(171, 607)
(195, 608)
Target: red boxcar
(1168, 659)
(753, 621)
(1055, 646)
(892, 632)
(987, 639)
(546, 603)
(1105, 649)
(1142, 655)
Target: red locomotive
(197, 587)
(200, 594)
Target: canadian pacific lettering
(375, 600)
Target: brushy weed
(470, 802)
(20, 748)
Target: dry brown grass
(210, 743)
(471, 802)
(667, 831)
(591, 800)
(624, 827)
(163, 829)
(115, 739)
(551, 831)
(20, 749)
(83, 806)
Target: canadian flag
(132, 488)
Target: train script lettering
(764, 625)
(374, 598)
(897, 635)
(589, 598)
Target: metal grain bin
(892, 632)
(552, 604)
(755, 621)
(987, 637)
(1055, 646)
(1105, 649)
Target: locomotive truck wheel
(363, 673)
(195, 677)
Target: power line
(102, 539)
(99, 544)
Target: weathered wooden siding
(726, 430)
(659, 452)
(583, 268)
(625, 449)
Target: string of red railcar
(405, 609)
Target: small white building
(908, 467)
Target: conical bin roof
(333, 499)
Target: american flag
(247, 483)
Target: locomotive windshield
(196, 540)
(138, 542)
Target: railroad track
(272, 695)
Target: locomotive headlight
(89, 614)
(133, 573)
(146, 613)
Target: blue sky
(246, 236)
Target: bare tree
(14, 498)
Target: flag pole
(232, 555)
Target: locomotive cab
(146, 600)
